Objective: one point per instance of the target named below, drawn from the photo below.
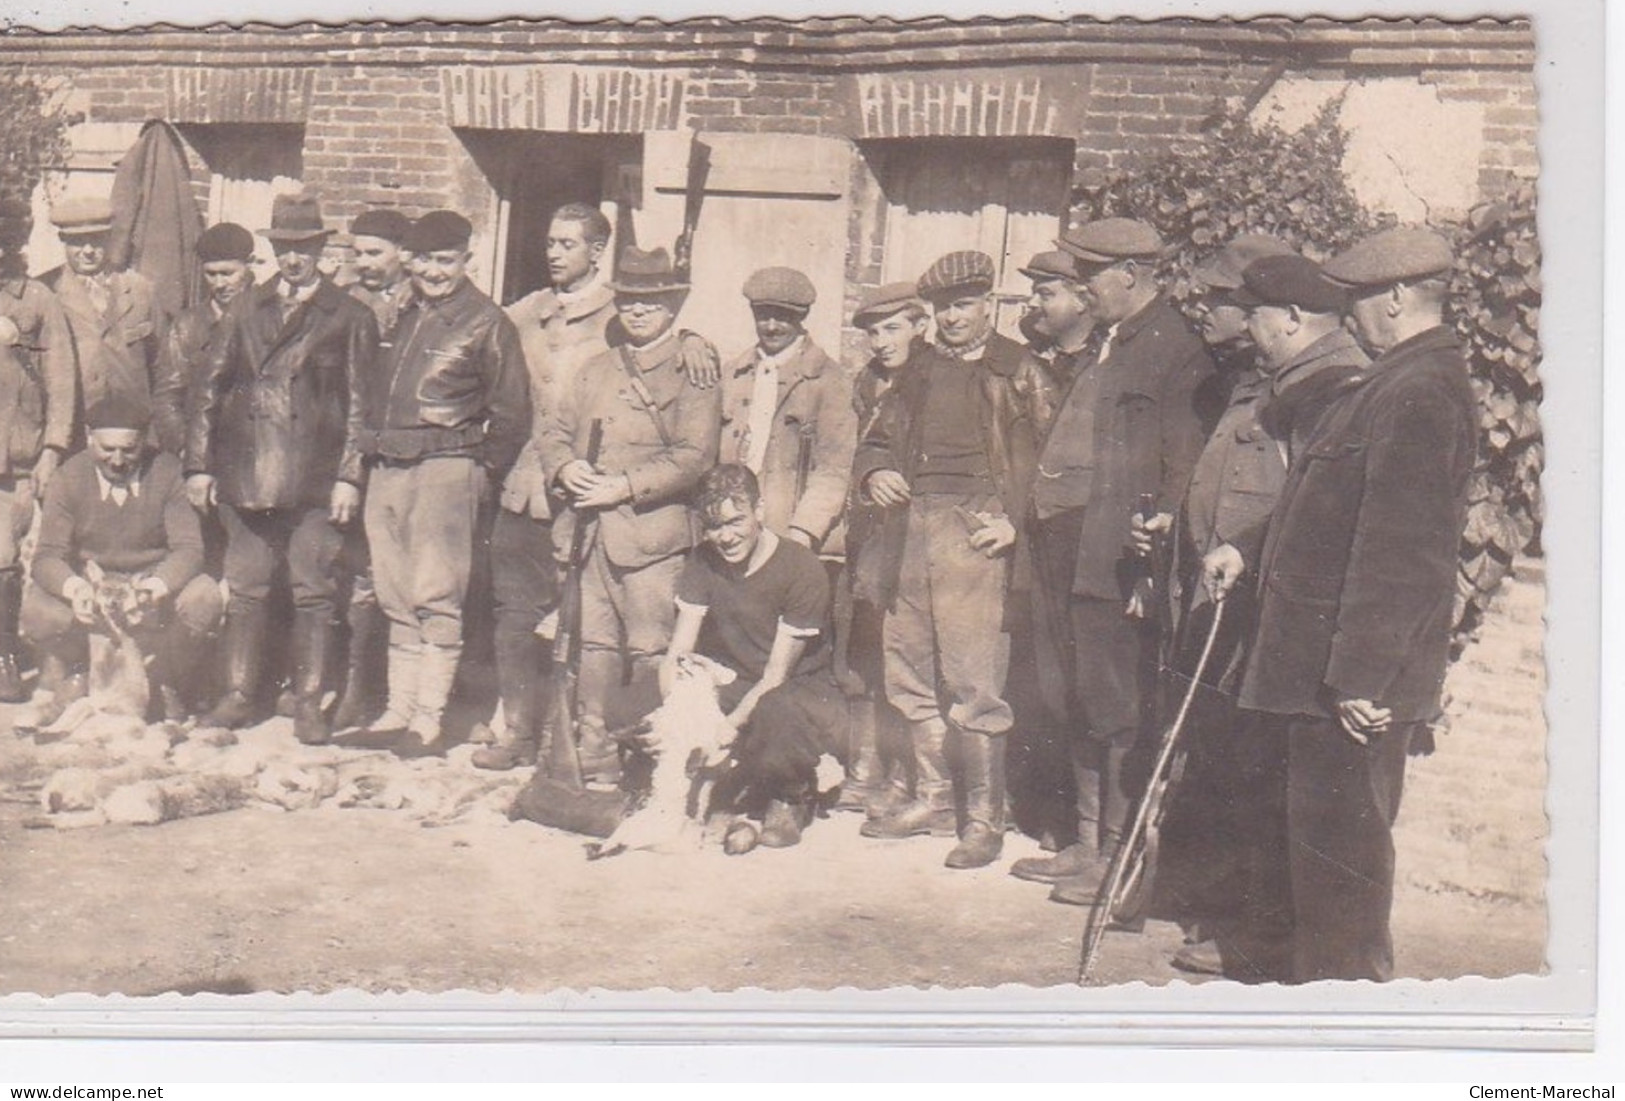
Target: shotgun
(563, 764)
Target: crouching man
(119, 510)
(759, 604)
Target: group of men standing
(1084, 500)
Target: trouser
(1341, 799)
(258, 540)
(196, 611)
(422, 520)
(16, 513)
(627, 616)
(524, 588)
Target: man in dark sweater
(125, 510)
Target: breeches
(16, 513)
(258, 539)
(422, 521)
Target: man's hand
(577, 476)
(201, 491)
(344, 503)
(1363, 720)
(44, 468)
(700, 361)
(887, 488)
(1222, 567)
(81, 597)
(605, 491)
(151, 591)
(1143, 531)
(996, 535)
(1140, 599)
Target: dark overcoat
(1357, 577)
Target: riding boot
(11, 603)
(866, 779)
(437, 671)
(520, 665)
(1116, 806)
(404, 659)
(932, 808)
(245, 645)
(981, 759)
(312, 639)
(58, 686)
(359, 699)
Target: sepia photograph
(773, 505)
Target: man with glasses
(659, 435)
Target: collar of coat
(808, 362)
(1000, 356)
(15, 285)
(594, 298)
(1440, 336)
(326, 298)
(1149, 317)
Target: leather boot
(404, 659)
(358, 701)
(437, 671)
(599, 754)
(521, 664)
(866, 779)
(782, 824)
(932, 808)
(245, 645)
(1116, 807)
(982, 762)
(1077, 859)
(59, 685)
(11, 603)
(312, 639)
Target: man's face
(378, 262)
(87, 253)
(116, 453)
(296, 261)
(226, 279)
(437, 274)
(734, 531)
(571, 258)
(1108, 292)
(778, 327)
(1271, 328)
(645, 317)
(1221, 323)
(1057, 307)
(1371, 319)
(891, 339)
(963, 319)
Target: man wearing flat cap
(117, 510)
(382, 282)
(1058, 313)
(38, 385)
(1356, 584)
(949, 458)
(443, 418)
(274, 445)
(1218, 832)
(660, 434)
(1127, 430)
(116, 322)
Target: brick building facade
(855, 150)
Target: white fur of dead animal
(688, 722)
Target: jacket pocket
(136, 331)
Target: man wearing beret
(274, 443)
(38, 385)
(660, 435)
(950, 460)
(1356, 587)
(1128, 429)
(894, 321)
(119, 510)
(226, 254)
(382, 283)
(1293, 319)
(116, 322)
(444, 417)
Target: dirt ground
(265, 900)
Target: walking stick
(1134, 864)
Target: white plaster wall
(1408, 152)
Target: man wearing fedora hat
(445, 414)
(274, 443)
(1356, 588)
(37, 389)
(660, 435)
(1128, 428)
(116, 322)
(949, 459)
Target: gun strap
(641, 389)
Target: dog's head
(698, 666)
(118, 602)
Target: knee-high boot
(359, 698)
(981, 758)
(11, 603)
(245, 649)
(932, 808)
(312, 639)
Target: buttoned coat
(813, 409)
(1148, 432)
(1017, 404)
(38, 383)
(558, 337)
(117, 350)
(1358, 572)
(660, 432)
(276, 415)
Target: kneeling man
(759, 604)
(122, 509)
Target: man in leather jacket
(444, 417)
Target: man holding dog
(118, 509)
